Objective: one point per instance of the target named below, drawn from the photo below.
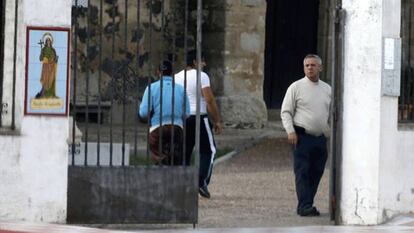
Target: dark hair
(191, 57)
(313, 56)
(166, 68)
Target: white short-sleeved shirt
(192, 88)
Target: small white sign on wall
(389, 53)
(391, 66)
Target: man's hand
(218, 128)
(293, 138)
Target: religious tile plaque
(47, 71)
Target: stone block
(237, 66)
(252, 3)
(243, 111)
(251, 42)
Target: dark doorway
(291, 33)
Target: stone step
(273, 114)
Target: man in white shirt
(208, 111)
(305, 117)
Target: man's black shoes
(309, 212)
(204, 192)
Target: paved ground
(256, 189)
(10, 227)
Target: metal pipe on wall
(3, 20)
(332, 114)
(336, 111)
(13, 111)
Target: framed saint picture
(47, 71)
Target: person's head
(166, 68)
(192, 59)
(312, 66)
(48, 42)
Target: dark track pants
(310, 157)
(207, 147)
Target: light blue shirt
(168, 112)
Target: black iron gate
(116, 47)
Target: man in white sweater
(305, 117)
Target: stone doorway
(291, 33)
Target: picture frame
(47, 71)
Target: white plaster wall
(377, 155)
(396, 186)
(396, 165)
(361, 116)
(33, 168)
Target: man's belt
(299, 130)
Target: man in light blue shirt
(167, 106)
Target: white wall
(396, 161)
(33, 168)
(361, 116)
(398, 185)
(377, 156)
(397, 166)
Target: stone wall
(233, 41)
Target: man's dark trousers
(207, 146)
(310, 157)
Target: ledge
(406, 126)
(7, 131)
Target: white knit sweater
(307, 104)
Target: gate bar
(98, 149)
(185, 80)
(172, 147)
(137, 78)
(112, 84)
(75, 73)
(149, 77)
(161, 79)
(124, 77)
(88, 33)
(199, 67)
